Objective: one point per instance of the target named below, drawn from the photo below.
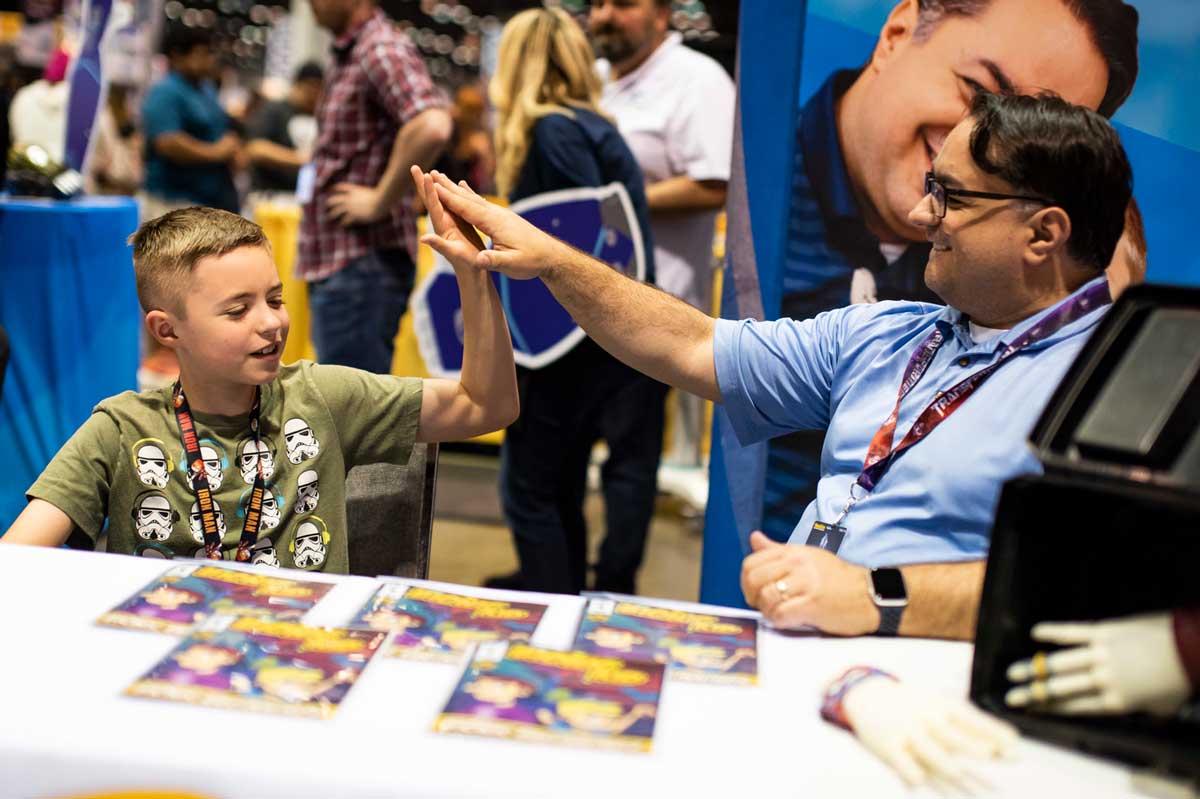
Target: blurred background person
(115, 164)
(675, 107)
(281, 133)
(469, 155)
(552, 135)
(379, 114)
(189, 141)
(38, 113)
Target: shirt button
(963, 361)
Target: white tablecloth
(65, 728)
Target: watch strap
(889, 620)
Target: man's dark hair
(1112, 24)
(181, 40)
(1068, 154)
(309, 70)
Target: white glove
(921, 734)
(1117, 666)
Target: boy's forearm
(650, 330)
(40, 524)
(489, 376)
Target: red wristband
(831, 704)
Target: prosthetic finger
(958, 740)
(1064, 632)
(1080, 705)
(999, 735)
(936, 760)
(1041, 665)
(905, 765)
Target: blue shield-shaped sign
(599, 221)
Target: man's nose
(922, 215)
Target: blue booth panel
(68, 302)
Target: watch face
(888, 584)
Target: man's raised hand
(519, 249)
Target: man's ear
(897, 32)
(1050, 229)
(161, 326)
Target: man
(189, 141)
(279, 134)
(379, 113)
(675, 107)
(866, 138)
(1024, 208)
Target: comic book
(524, 693)
(700, 647)
(262, 665)
(190, 592)
(442, 626)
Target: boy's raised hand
(519, 249)
(452, 237)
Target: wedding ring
(782, 587)
(1041, 669)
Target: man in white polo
(675, 108)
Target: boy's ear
(162, 328)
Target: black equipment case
(1113, 526)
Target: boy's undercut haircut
(167, 248)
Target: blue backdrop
(68, 301)
(788, 49)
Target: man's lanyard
(881, 455)
(199, 479)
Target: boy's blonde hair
(166, 249)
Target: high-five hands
(519, 249)
(453, 238)
(1117, 666)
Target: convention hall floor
(471, 541)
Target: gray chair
(389, 514)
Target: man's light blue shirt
(842, 369)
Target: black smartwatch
(890, 596)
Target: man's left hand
(351, 204)
(803, 586)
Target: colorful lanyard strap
(200, 487)
(881, 455)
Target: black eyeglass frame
(933, 185)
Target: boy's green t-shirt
(126, 463)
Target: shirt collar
(960, 324)
(673, 40)
(345, 43)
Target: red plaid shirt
(377, 83)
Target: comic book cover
(190, 592)
(442, 626)
(263, 665)
(700, 647)
(524, 693)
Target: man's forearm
(184, 149)
(420, 141)
(682, 194)
(267, 153)
(648, 329)
(943, 599)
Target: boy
(215, 466)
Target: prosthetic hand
(919, 734)
(1118, 666)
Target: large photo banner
(880, 85)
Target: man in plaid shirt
(380, 112)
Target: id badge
(305, 182)
(826, 536)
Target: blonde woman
(550, 135)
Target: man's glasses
(937, 190)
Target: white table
(65, 728)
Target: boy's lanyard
(199, 478)
(881, 455)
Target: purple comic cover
(263, 665)
(524, 693)
(701, 647)
(188, 593)
(442, 626)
